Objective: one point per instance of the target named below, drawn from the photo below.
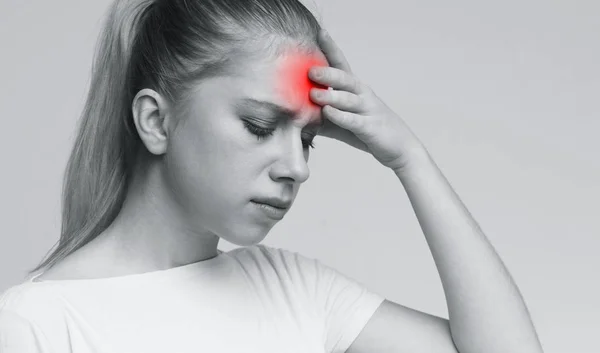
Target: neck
(150, 231)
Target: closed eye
(262, 133)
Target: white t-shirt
(252, 299)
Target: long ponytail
(96, 174)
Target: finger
(343, 100)
(337, 79)
(347, 120)
(332, 52)
(330, 130)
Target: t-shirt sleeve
(348, 306)
(345, 304)
(19, 335)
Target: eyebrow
(278, 109)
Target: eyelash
(262, 133)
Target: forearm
(485, 308)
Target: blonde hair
(168, 46)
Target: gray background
(504, 96)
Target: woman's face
(235, 145)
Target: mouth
(274, 202)
(266, 204)
(270, 211)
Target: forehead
(281, 80)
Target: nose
(292, 164)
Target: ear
(150, 113)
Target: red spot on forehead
(292, 81)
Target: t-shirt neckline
(172, 272)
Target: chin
(248, 238)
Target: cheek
(188, 157)
(207, 154)
(196, 176)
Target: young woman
(197, 127)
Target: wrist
(416, 159)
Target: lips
(269, 211)
(275, 202)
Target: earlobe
(149, 116)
